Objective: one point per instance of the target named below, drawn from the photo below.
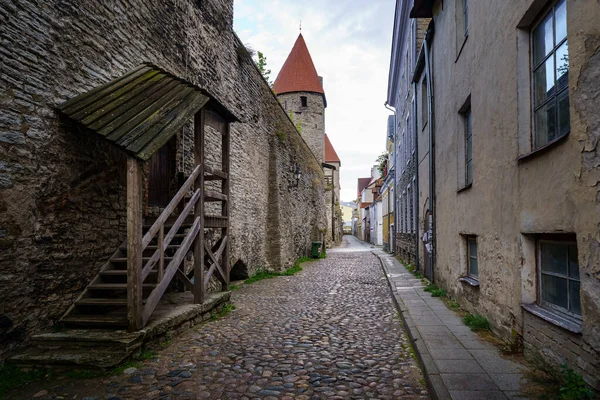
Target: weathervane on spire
(300, 26)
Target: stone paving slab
(457, 363)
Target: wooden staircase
(103, 303)
(131, 283)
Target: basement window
(304, 101)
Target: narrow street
(330, 331)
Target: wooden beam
(134, 244)
(225, 163)
(199, 120)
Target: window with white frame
(472, 260)
(409, 139)
(468, 147)
(409, 211)
(559, 281)
(550, 76)
(403, 212)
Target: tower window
(304, 101)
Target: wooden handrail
(171, 234)
(160, 221)
(170, 271)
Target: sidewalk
(457, 363)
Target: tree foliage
(262, 67)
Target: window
(408, 209)
(304, 101)
(559, 275)
(466, 16)
(468, 148)
(550, 76)
(408, 139)
(472, 265)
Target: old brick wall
(62, 192)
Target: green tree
(262, 67)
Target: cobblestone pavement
(330, 331)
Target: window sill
(542, 150)
(469, 186)
(553, 317)
(469, 280)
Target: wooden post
(134, 243)
(225, 144)
(161, 249)
(199, 208)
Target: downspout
(417, 205)
(393, 245)
(430, 103)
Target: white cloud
(350, 43)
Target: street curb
(435, 385)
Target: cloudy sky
(349, 41)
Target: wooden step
(120, 260)
(214, 174)
(117, 286)
(211, 195)
(96, 320)
(101, 302)
(215, 221)
(154, 247)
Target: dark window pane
(573, 262)
(554, 290)
(564, 122)
(575, 305)
(543, 81)
(562, 66)
(542, 39)
(469, 170)
(545, 124)
(469, 149)
(561, 21)
(472, 248)
(554, 258)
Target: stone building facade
(407, 38)
(62, 192)
(516, 154)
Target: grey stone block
(508, 381)
(468, 382)
(459, 366)
(477, 395)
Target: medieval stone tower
(300, 91)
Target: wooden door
(162, 175)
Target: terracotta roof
(362, 183)
(365, 205)
(298, 73)
(330, 154)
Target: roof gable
(330, 154)
(298, 73)
(363, 183)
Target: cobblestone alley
(330, 331)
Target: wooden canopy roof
(140, 111)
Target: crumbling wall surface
(62, 191)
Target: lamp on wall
(297, 175)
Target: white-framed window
(403, 213)
(468, 147)
(472, 260)
(550, 76)
(466, 16)
(559, 281)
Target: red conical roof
(330, 154)
(298, 73)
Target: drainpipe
(393, 245)
(417, 205)
(428, 36)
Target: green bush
(476, 322)
(573, 386)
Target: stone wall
(62, 192)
